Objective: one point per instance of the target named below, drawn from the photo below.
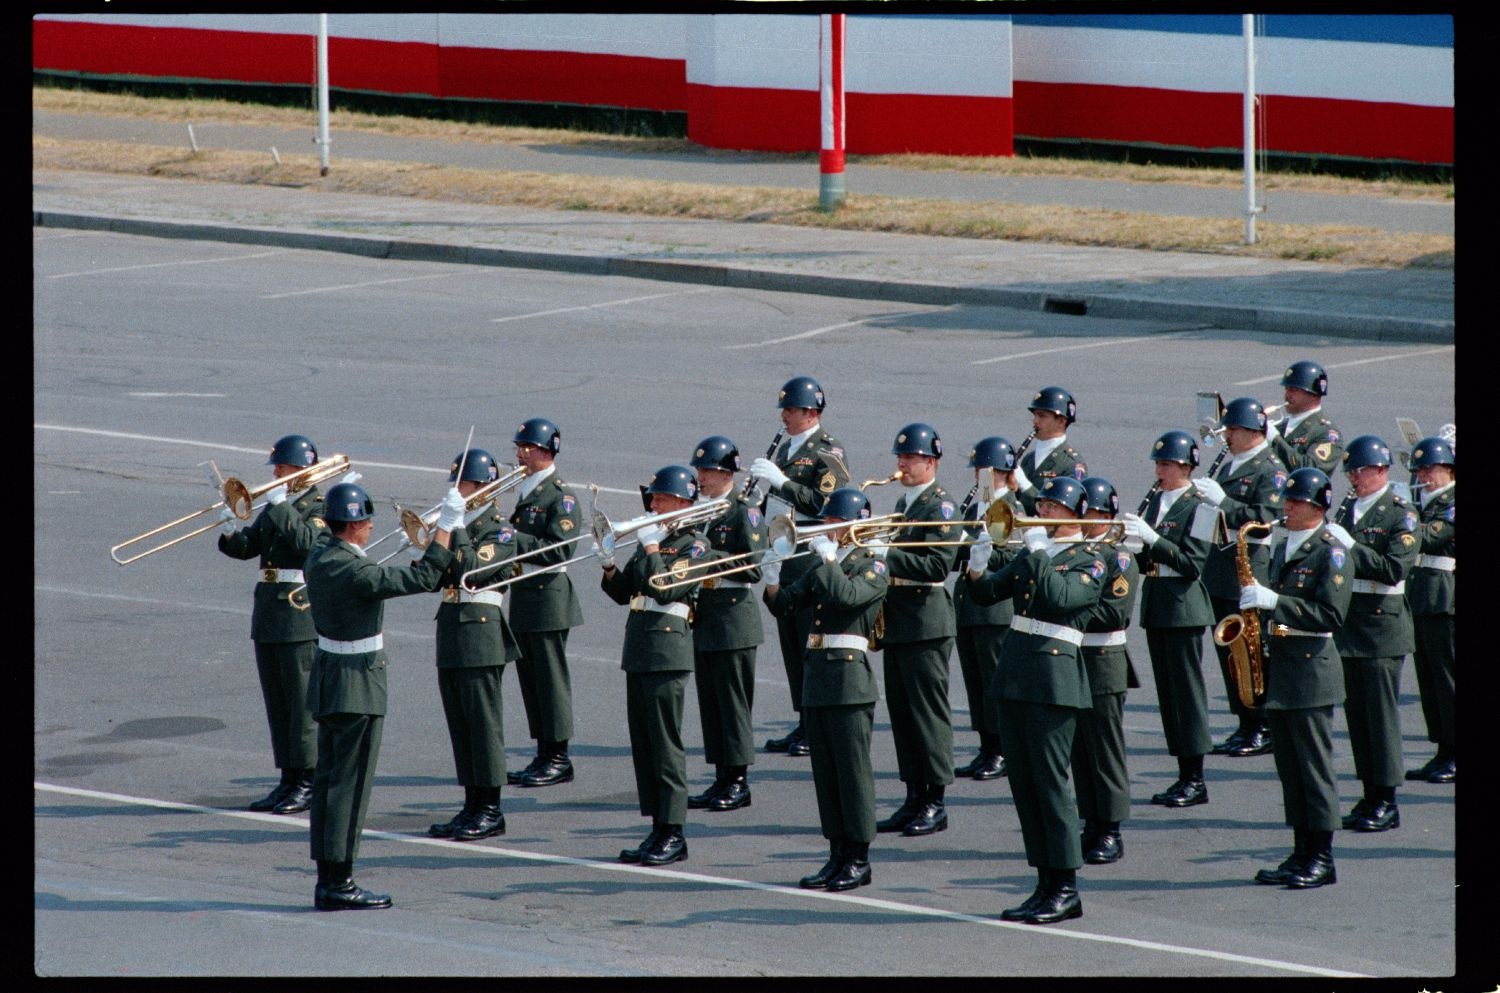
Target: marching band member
(1432, 593)
(1305, 436)
(1046, 453)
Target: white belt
(1442, 563)
(1103, 639)
(897, 581)
(854, 641)
(455, 595)
(1029, 625)
(646, 603)
(1282, 631)
(281, 576)
(1370, 586)
(374, 643)
(714, 582)
(527, 568)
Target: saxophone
(1240, 633)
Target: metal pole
(831, 99)
(1249, 122)
(323, 138)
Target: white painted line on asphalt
(1345, 365)
(834, 327)
(1076, 348)
(597, 306)
(357, 286)
(165, 265)
(160, 396)
(674, 876)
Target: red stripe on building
(892, 123)
(176, 53)
(564, 77)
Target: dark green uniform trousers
(916, 694)
(1302, 744)
(839, 737)
(546, 687)
(792, 633)
(653, 710)
(1099, 760)
(726, 692)
(473, 706)
(1177, 666)
(1435, 661)
(1372, 687)
(285, 668)
(348, 747)
(1038, 742)
(978, 655)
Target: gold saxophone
(1240, 633)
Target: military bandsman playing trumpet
(726, 632)
(1305, 436)
(473, 645)
(1432, 592)
(657, 658)
(843, 591)
(1305, 602)
(347, 695)
(284, 636)
(798, 476)
(1041, 686)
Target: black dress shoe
(339, 892)
(670, 846)
(736, 794)
(1257, 742)
(1382, 816)
(296, 799)
(1183, 793)
(930, 818)
(1413, 775)
(903, 815)
(702, 800)
(967, 771)
(1061, 903)
(780, 744)
(1278, 876)
(1230, 743)
(446, 829)
(1317, 871)
(1043, 883)
(1108, 847)
(552, 771)
(272, 798)
(514, 778)
(993, 767)
(1357, 814)
(486, 823)
(820, 879)
(798, 747)
(1445, 773)
(633, 855)
(851, 873)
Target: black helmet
(993, 452)
(1307, 376)
(1175, 446)
(539, 432)
(1244, 412)
(918, 439)
(294, 449)
(1365, 450)
(716, 452)
(673, 480)
(1311, 485)
(847, 504)
(346, 503)
(1432, 451)
(1057, 400)
(1101, 495)
(1067, 491)
(801, 391)
(479, 467)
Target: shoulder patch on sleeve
(568, 503)
(1278, 479)
(946, 508)
(505, 535)
(1322, 452)
(878, 568)
(1096, 568)
(698, 548)
(1336, 554)
(1122, 558)
(753, 516)
(318, 522)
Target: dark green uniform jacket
(1432, 589)
(282, 541)
(844, 597)
(1251, 493)
(549, 514)
(656, 641)
(1172, 595)
(1314, 442)
(1303, 670)
(1109, 667)
(1063, 460)
(475, 634)
(1386, 547)
(813, 471)
(918, 606)
(728, 616)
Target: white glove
(277, 496)
(351, 477)
(1211, 490)
(451, 511)
(1021, 481)
(1036, 539)
(771, 572)
(1271, 432)
(766, 470)
(228, 523)
(1345, 538)
(652, 534)
(414, 552)
(1258, 597)
(878, 548)
(1135, 527)
(979, 553)
(824, 547)
(605, 554)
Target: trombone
(1000, 522)
(418, 529)
(605, 533)
(784, 535)
(239, 498)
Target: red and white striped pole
(831, 101)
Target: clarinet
(1145, 500)
(1347, 506)
(1025, 444)
(770, 451)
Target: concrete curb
(1264, 319)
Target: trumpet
(241, 501)
(418, 529)
(999, 523)
(785, 537)
(605, 533)
(1215, 435)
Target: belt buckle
(1279, 630)
(450, 595)
(268, 575)
(815, 641)
(710, 584)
